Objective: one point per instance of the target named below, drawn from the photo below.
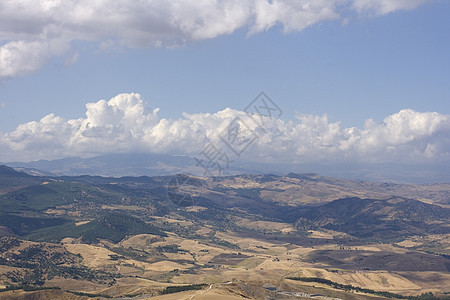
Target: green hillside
(10, 178)
(54, 193)
(112, 226)
(21, 225)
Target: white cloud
(21, 57)
(33, 31)
(382, 7)
(293, 15)
(126, 124)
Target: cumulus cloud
(22, 57)
(34, 31)
(125, 124)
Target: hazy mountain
(118, 165)
(115, 165)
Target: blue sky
(368, 68)
(365, 60)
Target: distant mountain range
(360, 209)
(113, 165)
(118, 165)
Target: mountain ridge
(139, 164)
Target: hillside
(373, 218)
(11, 179)
(111, 226)
(236, 236)
(298, 189)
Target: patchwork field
(245, 237)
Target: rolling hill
(111, 226)
(374, 218)
(242, 236)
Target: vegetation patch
(224, 243)
(89, 294)
(171, 249)
(113, 226)
(348, 288)
(131, 253)
(21, 225)
(28, 288)
(182, 288)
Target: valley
(296, 236)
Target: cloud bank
(125, 124)
(34, 31)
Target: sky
(354, 80)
